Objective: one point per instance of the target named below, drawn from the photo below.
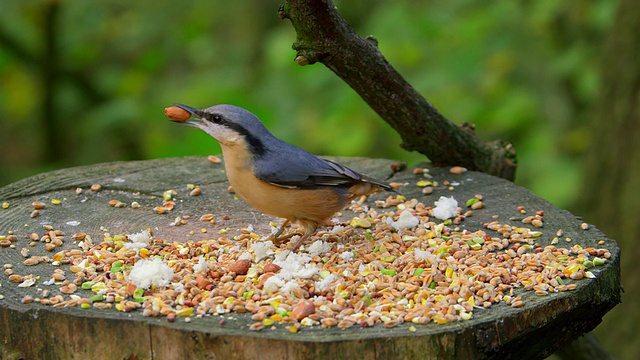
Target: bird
(275, 177)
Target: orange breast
(317, 205)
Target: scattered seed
(457, 170)
(329, 322)
(393, 280)
(167, 195)
(206, 217)
(577, 275)
(169, 205)
(271, 268)
(32, 261)
(58, 276)
(396, 185)
(214, 159)
(240, 267)
(398, 166)
(477, 205)
(37, 205)
(345, 324)
(357, 222)
(303, 309)
(69, 288)
(95, 187)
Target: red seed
(303, 309)
(202, 282)
(171, 317)
(176, 114)
(271, 267)
(214, 159)
(240, 267)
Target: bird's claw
(280, 239)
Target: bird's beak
(193, 111)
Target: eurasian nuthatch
(278, 178)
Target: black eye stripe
(256, 144)
(215, 118)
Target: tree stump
(31, 330)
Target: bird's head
(229, 124)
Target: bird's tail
(367, 186)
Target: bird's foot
(300, 241)
(276, 235)
(278, 240)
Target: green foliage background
(521, 71)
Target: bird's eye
(214, 118)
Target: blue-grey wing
(301, 169)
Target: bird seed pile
(394, 262)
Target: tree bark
(501, 331)
(610, 195)
(323, 36)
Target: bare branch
(323, 36)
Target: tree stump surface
(33, 330)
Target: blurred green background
(83, 82)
